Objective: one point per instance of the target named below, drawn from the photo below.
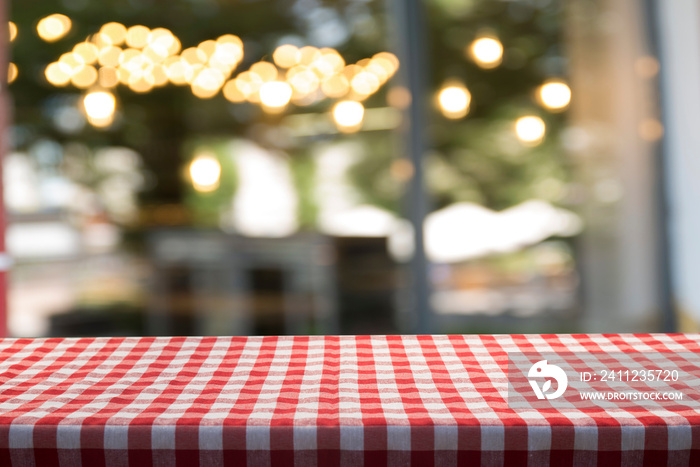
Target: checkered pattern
(366, 400)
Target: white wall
(615, 166)
(679, 25)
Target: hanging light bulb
(53, 27)
(205, 172)
(99, 107)
(275, 95)
(454, 101)
(555, 95)
(348, 115)
(486, 51)
(530, 129)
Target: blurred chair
(211, 283)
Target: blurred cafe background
(257, 167)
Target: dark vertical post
(4, 128)
(665, 276)
(412, 56)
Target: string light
(108, 77)
(454, 101)
(264, 70)
(53, 27)
(143, 59)
(205, 172)
(56, 74)
(207, 83)
(113, 33)
(275, 95)
(335, 86)
(530, 129)
(286, 56)
(85, 77)
(348, 115)
(12, 27)
(87, 51)
(233, 93)
(99, 107)
(137, 36)
(555, 95)
(12, 73)
(487, 52)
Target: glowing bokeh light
(194, 56)
(454, 101)
(230, 39)
(143, 58)
(530, 129)
(56, 74)
(249, 84)
(228, 52)
(85, 77)
(351, 70)
(244, 85)
(141, 84)
(207, 48)
(555, 95)
(12, 72)
(12, 27)
(487, 52)
(335, 86)
(109, 56)
(53, 27)
(99, 107)
(161, 44)
(275, 94)
(176, 70)
(71, 63)
(308, 55)
(137, 36)
(391, 58)
(348, 115)
(205, 172)
(160, 76)
(207, 83)
(265, 70)
(332, 61)
(232, 92)
(87, 51)
(399, 97)
(365, 83)
(113, 33)
(286, 56)
(382, 67)
(108, 77)
(303, 80)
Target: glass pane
(222, 167)
(214, 168)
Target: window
(260, 167)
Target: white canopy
(461, 231)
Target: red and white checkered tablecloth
(307, 401)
